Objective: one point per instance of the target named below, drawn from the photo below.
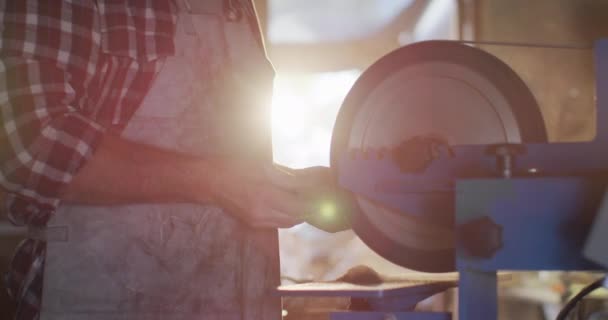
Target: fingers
(261, 215)
(281, 177)
(266, 212)
(276, 219)
(265, 206)
(281, 199)
(296, 179)
(289, 203)
(275, 207)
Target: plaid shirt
(70, 71)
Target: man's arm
(123, 172)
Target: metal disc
(436, 87)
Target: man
(136, 147)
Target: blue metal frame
(543, 220)
(544, 223)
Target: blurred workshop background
(320, 47)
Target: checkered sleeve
(44, 136)
(44, 140)
(65, 68)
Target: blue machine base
(541, 224)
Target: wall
(561, 79)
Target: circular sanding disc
(442, 88)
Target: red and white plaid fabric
(70, 71)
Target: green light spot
(328, 211)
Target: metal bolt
(505, 162)
(505, 157)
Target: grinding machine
(442, 161)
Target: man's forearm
(123, 172)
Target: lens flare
(328, 211)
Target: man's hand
(327, 206)
(282, 197)
(272, 196)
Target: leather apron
(179, 261)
